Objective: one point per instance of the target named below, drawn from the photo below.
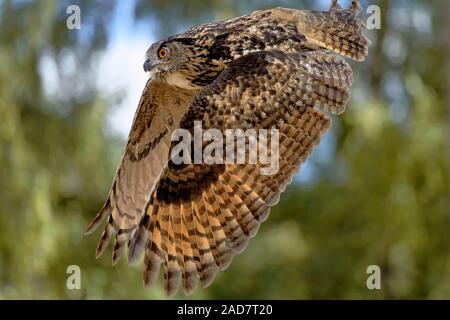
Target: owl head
(169, 61)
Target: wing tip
(172, 278)
(98, 219)
(153, 265)
(208, 275)
(105, 239)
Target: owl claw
(356, 7)
(334, 6)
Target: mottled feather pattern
(231, 206)
(157, 116)
(277, 68)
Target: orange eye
(162, 53)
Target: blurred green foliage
(380, 198)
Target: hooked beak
(148, 65)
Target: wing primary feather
(106, 237)
(190, 273)
(99, 218)
(178, 237)
(197, 217)
(239, 239)
(153, 255)
(141, 237)
(217, 236)
(208, 266)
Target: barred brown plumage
(269, 69)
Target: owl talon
(334, 6)
(356, 7)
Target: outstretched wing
(159, 112)
(200, 215)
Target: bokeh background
(376, 192)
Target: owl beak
(148, 65)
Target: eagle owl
(278, 68)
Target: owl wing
(159, 112)
(200, 215)
(337, 30)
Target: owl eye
(162, 53)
